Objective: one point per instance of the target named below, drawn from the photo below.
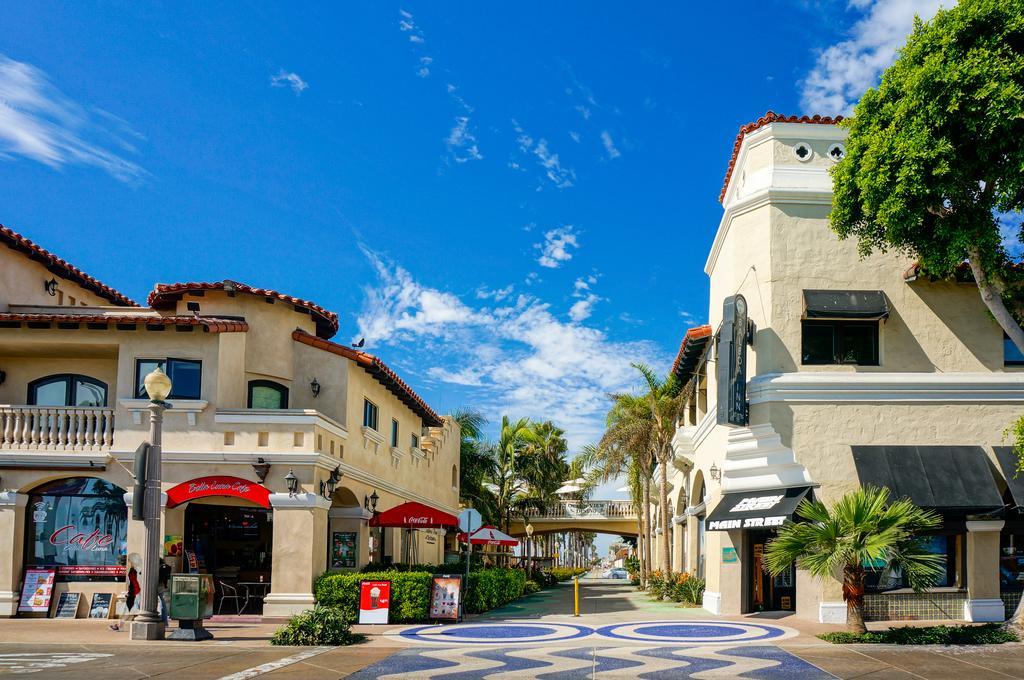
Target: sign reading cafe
(218, 485)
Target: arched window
(67, 389)
(267, 394)
(455, 477)
(78, 525)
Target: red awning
(414, 515)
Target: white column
(983, 601)
(299, 552)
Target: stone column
(299, 552)
(983, 601)
(678, 542)
(12, 536)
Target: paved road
(621, 634)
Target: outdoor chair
(231, 593)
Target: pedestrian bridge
(607, 517)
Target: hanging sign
(444, 597)
(374, 601)
(67, 605)
(218, 485)
(37, 591)
(735, 334)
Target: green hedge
(490, 588)
(987, 634)
(566, 573)
(410, 591)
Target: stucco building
(259, 390)
(852, 370)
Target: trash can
(191, 602)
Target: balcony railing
(56, 428)
(617, 509)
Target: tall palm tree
(476, 464)
(666, 402)
(862, 527)
(508, 483)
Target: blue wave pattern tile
(548, 662)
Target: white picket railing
(56, 428)
(616, 509)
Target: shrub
(321, 625)
(687, 589)
(566, 573)
(490, 588)
(410, 593)
(987, 634)
(658, 584)
(531, 587)
(632, 565)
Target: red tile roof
(62, 268)
(767, 119)
(690, 350)
(164, 295)
(209, 323)
(379, 370)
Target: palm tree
(476, 464)
(666, 401)
(861, 528)
(508, 484)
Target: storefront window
(1011, 559)
(80, 526)
(881, 577)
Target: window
(369, 414)
(949, 546)
(67, 390)
(185, 375)
(414, 440)
(840, 342)
(394, 433)
(1011, 355)
(267, 394)
(1011, 558)
(455, 477)
(79, 526)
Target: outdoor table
(255, 590)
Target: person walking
(131, 592)
(161, 590)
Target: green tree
(861, 528)
(507, 480)
(935, 153)
(476, 463)
(666, 403)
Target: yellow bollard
(576, 595)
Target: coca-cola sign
(417, 520)
(218, 485)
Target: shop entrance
(767, 592)
(234, 544)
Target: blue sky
(510, 202)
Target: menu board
(444, 597)
(37, 590)
(67, 606)
(344, 550)
(100, 607)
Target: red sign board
(218, 485)
(109, 570)
(374, 601)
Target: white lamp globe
(158, 385)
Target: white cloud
(582, 309)
(575, 136)
(845, 70)
(461, 142)
(39, 122)
(609, 144)
(514, 358)
(553, 171)
(289, 79)
(557, 247)
(497, 294)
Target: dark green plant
(410, 593)
(688, 590)
(987, 634)
(491, 588)
(531, 587)
(566, 573)
(322, 625)
(863, 527)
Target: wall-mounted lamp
(314, 386)
(292, 482)
(328, 486)
(50, 287)
(715, 473)
(373, 501)
(261, 468)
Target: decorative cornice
(299, 501)
(188, 407)
(305, 416)
(817, 386)
(77, 460)
(351, 512)
(985, 525)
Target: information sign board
(37, 591)
(445, 596)
(374, 601)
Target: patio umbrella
(413, 515)
(488, 535)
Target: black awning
(954, 478)
(1008, 466)
(755, 509)
(845, 304)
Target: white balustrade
(56, 428)
(614, 509)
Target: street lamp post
(529, 549)
(148, 625)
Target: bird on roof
(362, 341)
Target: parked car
(618, 572)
